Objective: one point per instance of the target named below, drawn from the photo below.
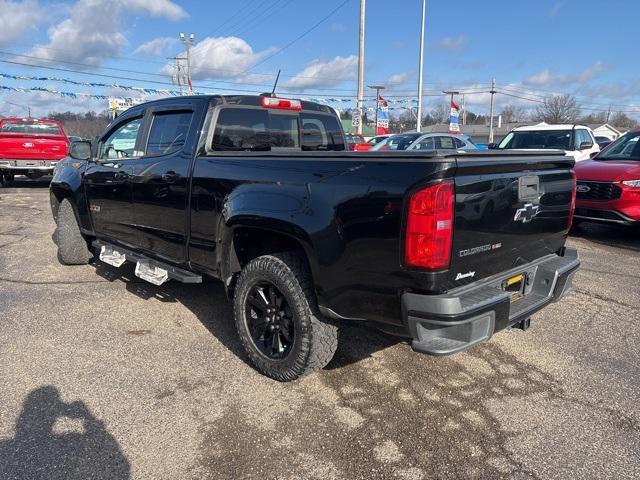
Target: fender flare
(228, 261)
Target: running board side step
(153, 271)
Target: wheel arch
(246, 239)
(57, 193)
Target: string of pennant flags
(391, 103)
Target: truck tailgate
(33, 147)
(509, 210)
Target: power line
(535, 100)
(299, 37)
(226, 22)
(527, 91)
(257, 13)
(262, 18)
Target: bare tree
(558, 109)
(622, 120)
(600, 117)
(440, 113)
(513, 114)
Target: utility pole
(420, 67)
(493, 92)
(377, 88)
(360, 101)
(178, 77)
(464, 110)
(608, 114)
(188, 42)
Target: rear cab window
(248, 129)
(30, 128)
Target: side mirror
(80, 150)
(586, 145)
(492, 146)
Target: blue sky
(532, 48)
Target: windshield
(626, 148)
(34, 128)
(542, 139)
(398, 142)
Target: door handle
(170, 177)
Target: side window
(459, 143)
(425, 144)
(252, 129)
(321, 132)
(121, 142)
(168, 132)
(445, 143)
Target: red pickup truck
(30, 147)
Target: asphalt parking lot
(105, 376)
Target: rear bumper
(26, 166)
(457, 320)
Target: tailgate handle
(528, 188)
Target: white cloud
(399, 79)
(157, 47)
(221, 57)
(16, 18)
(42, 104)
(321, 74)
(158, 8)
(92, 31)
(547, 78)
(556, 8)
(453, 43)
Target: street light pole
(377, 89)
(360, 100)
(421, 65)
(493, 92)
(188, 42)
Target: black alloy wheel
(277, 318)
(270, 321)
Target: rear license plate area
(514, 286)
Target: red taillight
(362, 147)
(430, 227)
(572, 206)
(281, 104)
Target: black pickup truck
(444, 248)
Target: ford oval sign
(582, 188)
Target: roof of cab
(548, 126)
(244, 100)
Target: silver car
(443, 141)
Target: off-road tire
(72, 247)
(316, 338)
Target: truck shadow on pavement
(608, 235)
(209, 303)
(59, 440)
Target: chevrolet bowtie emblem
(526, 213)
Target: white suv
(576, 140)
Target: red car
(357, 143)
(608, 185)
(31, 147)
